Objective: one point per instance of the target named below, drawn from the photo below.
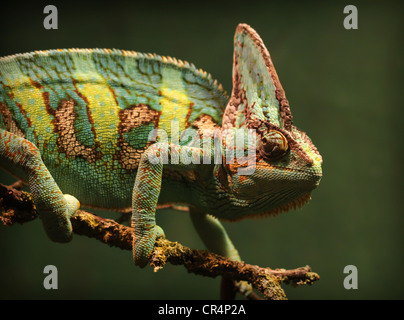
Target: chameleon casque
(75, 124)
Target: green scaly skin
(75, 124)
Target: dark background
(345, 89)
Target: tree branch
(17, 207)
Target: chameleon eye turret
(273, 145)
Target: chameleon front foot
(143, 244)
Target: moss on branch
(17, 207)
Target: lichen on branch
(17, 207)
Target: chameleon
(115, 129)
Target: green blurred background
(344, 90)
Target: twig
(17, 207)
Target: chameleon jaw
(297, 203)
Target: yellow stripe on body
(101, 103)
(31, 100)
(174, 101)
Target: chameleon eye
(273, 145)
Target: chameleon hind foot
(244, 288)
(57, 223)
(229, 288)
(24, 160)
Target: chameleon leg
(213, 235)
(146, 192)
(53, 206)
(144, 200)
(215, 238)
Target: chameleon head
(288, 165)
(286, 170)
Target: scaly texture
(89, 124)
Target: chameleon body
(82, 125)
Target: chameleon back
(89, 112)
